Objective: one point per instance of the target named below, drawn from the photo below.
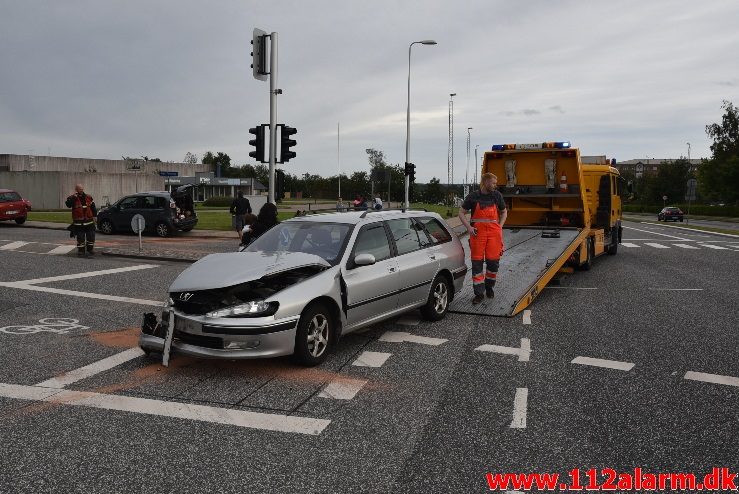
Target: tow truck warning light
(543, 145)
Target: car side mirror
(364, 259)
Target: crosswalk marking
(61, 250)
(656, 246)
(342, 389)
(14, 245)
(627, 244)
(371, 359)
(686, 246)
(717, 247)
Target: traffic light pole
(272, 115)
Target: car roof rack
(352, 210)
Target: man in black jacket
(239, 207)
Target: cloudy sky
(628, 79)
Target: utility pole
(467, 170)
(338, 152)
(273, 92)
(450, 156)
(477, 164)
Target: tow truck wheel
(589, 262)
(613, 248)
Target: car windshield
(327, 240)
(9, 196)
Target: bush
(218, 201)
(696, 209)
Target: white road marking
(527, 317)
(14, 245)
(524, 353)
(400, 337)
(57, 325)
(686, 246)
(88, 274)
(651, 232)
(571, 287)
(677, 289)
(61, 250)
(409, 321)
(59, 291)
(147, 406)
(90, 370)
(342, 389)
(656, 246)
(627, 244)
(692, 230)
(371, 359)
(712, 378)
(717, 247)
(520, 403)
(608, 364)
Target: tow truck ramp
(531, 259)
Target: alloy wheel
(318, 335)
(441, 297)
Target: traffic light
(258, 143)
(259, 55)
(279, 185)
(286, 143)
(410, 171)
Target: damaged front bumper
(221, 338)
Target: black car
(670, 213)
(163, 213)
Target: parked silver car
(309, 280)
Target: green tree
(718, 177)
(218, 159)
(434, 193)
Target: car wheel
(20, 221)
(163, 230)
(315, 333)
(438, 303)
(106, 227)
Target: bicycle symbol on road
(58, 325)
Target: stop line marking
(524, 353)
(87, 274)
(400, 337)
(105, 364)
(608, 364)
(73, 293)
(342, 389)
(371, 359)
(147, 406)
(520, 404)
(14, 245)
(712, 378)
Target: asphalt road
(430, 418)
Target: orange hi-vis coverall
(487, 246)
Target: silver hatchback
(308, 281)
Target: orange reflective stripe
(491, 275)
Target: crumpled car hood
(231, 268)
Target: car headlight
(248, 309)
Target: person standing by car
(486, 236)
(84, 213)
(239, 207)
(266, 219)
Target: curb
(148, 257)
(63, 228)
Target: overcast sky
(102, 79)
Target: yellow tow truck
(564, 210)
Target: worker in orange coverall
(486, 234)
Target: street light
(408, 114)
(476, 163)
(467, 170)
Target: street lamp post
(408, 115)
(467, 170)
(477, 163)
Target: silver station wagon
(309, 280)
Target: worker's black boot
(478, 299)
(490, 293)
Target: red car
(13, 206)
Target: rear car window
(436, 230)
(9, 197)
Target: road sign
(138, 223)
(168, 174)
(664, 198)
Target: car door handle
(392, 270)
(432, 257)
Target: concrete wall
(49, 190)
(24, 162)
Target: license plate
(187, 325)
(11, 212)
